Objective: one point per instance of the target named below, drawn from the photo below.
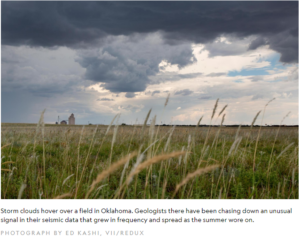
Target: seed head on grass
(286, 148)
(234, 145)
(151, 161)
(22, 188)
(169, 138)
(269, 102)
(199, 121)
(152, 128)
(285, 117)
(110, 170)
(5, 145)
(145, 122)
(215, 108)
(194, 174)
(111, 123)
(67, 179)
(223, 118)
(223, 109)
(255, 118)
(64, 196)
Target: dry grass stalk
(234, 145)
(215, 108)
(199, 121)
(7, 162)
(223, 110)
(110, 170)
(283, 151)
(254, 157)
(64, 196)
(5, 145)
(111, 123)
(167, 100)
(67, 179)
(270, 102)
(117, 115)
(237, 132)
(6, 170)
(194, 174)
(21, 190)
(169, 139)
(151, 161)
(78, 158)
(152, 128)
(85, 162)
(276, 138)
(255, 118)
(223, 118)
(166, 103)
(145, 122)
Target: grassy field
(148, 162)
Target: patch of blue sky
(274, 65)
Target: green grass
(51, 165)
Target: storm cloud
(124, 64)
(99, 58)
(78, 24)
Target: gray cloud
(155, 92)
(130, 95)
(164, 77)
(184, 92)
(223, 48)
(256, 78)
(79, 24)
(105, 99)
(257, 96)
(216, 74)
(135, 108)
(287, 44)
(40, 75)
(259, 41)
(125, 64)
(206, 97)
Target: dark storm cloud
(73, 24)
(259, 41)
(125, 64)
(184, 92)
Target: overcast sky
(97, 59)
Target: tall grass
(54, 161)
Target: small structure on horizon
(63, 122)
(72, 119)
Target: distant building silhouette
(72, 119)
(63, 122)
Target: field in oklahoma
(148, 162)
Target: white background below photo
(149, 219)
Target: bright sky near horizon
(97, 59)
